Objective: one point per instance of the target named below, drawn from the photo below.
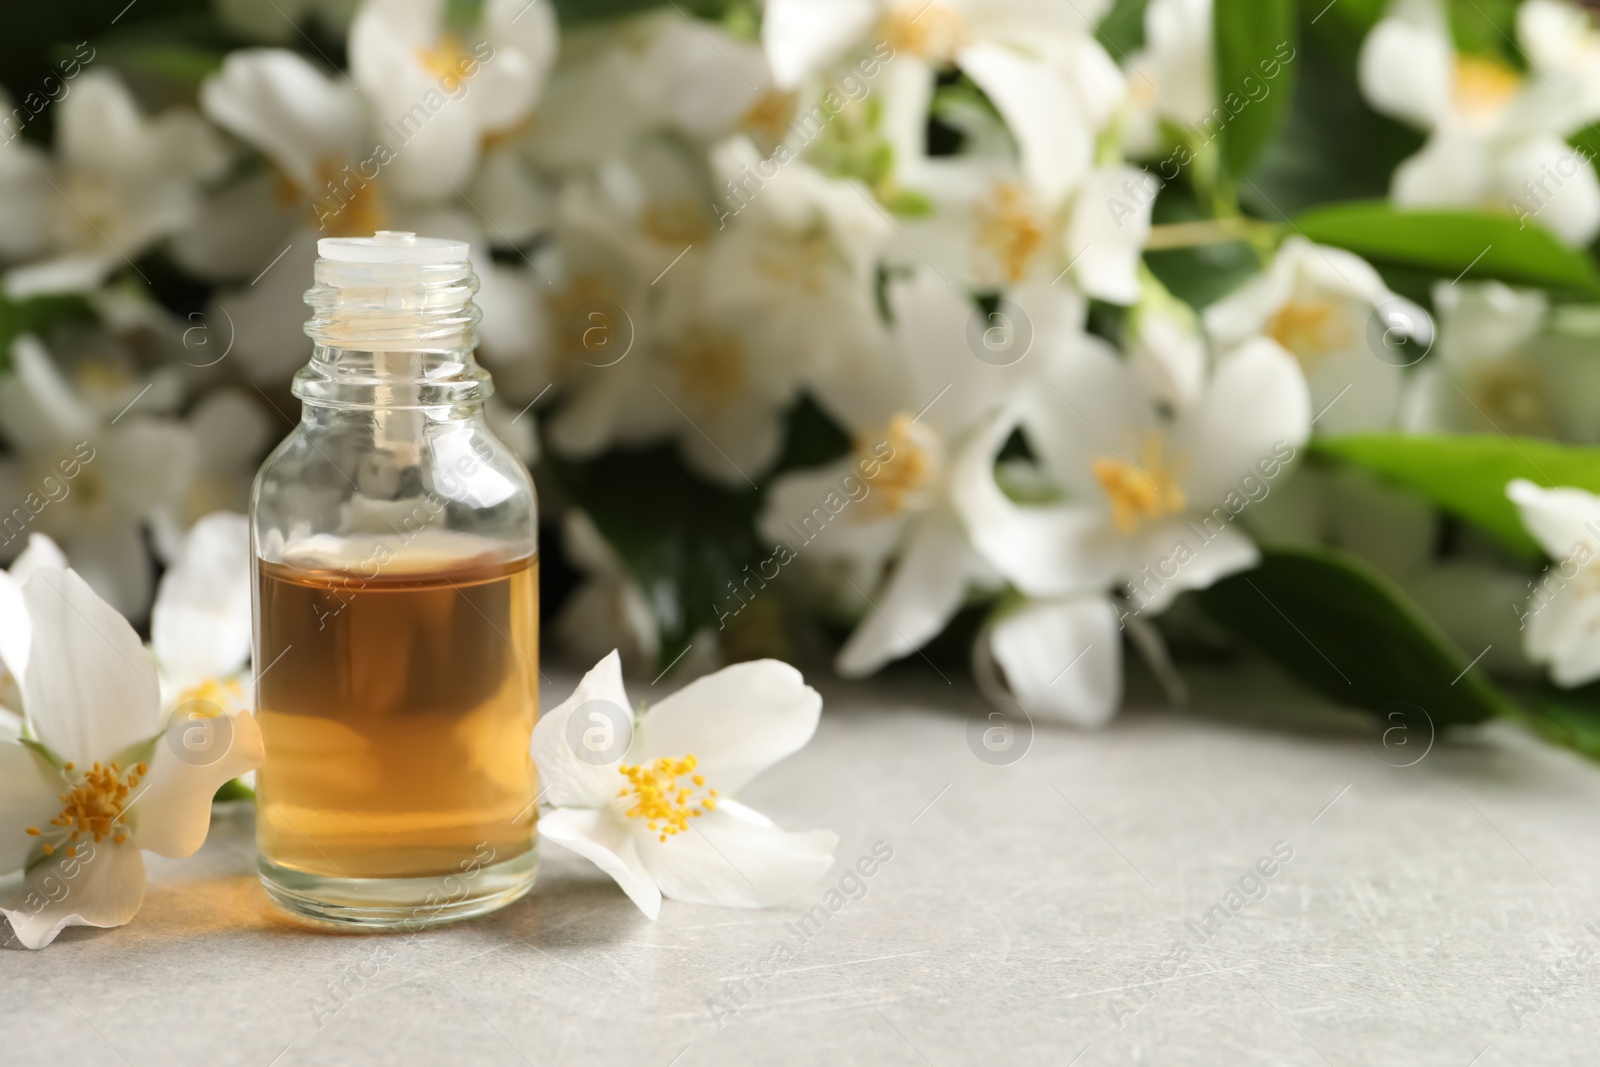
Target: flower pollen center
(447, 59)
(1146, 490)
(711, 368)
(1311, 329)
(932, 30)
(768, 118)
(1483, 85)
(1010, 230)
(906, 470)
(95, 806)
(347, 203)
(1511, 394)
(218, 693)
(662, 799)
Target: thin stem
(1204, 232)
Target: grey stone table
(1072, 907)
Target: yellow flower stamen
(215, 691)
(675, 223)
(1311, 329)
(711, 368)
(346, 202)
(897, 463)
(1146, 490)
(806, 259)
(934, 31)
(447, 59)
(1483, 84)
(659, 799)
(768, 118)
(1011, 231)
(95, 806)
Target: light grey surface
(1024, 909)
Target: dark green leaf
(169, 63)
(1311, 163)
(1253, 38)
(1569, 717)
(1450, 243)
(36, 315)
(1343, 628)
(1466, 475)
(1121, 32)
(1487, 28)
(681, 538)
(1204, 273)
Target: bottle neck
(363, 378)
(393, 335)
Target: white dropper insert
(393, 247)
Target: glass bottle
(396, 608)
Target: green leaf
(1252, 38)
(1202, 274)
(232, 789)
(1487, 28)
(1569, 717)
(1311, 163)
(1340, 626)
(1452, 243)
(1466, 475)
(1121, 31)
(680, 537)
(37, 315)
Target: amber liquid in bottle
(397, 712)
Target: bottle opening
(393, 246)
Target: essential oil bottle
(396, 608)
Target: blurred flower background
(1058, 344)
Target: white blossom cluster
(916, 215)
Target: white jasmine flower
(1497, 135)
(313, 129)
(16, 635)
(653, 73)
(1497, 369)
(891, 513)
(801, 251)
(994, 232)
(232, 431)
(1060, 658)
(91, 483)
(1150, 503)
(1318, 303)
(200, 624)
(341, 177)
(120, 183)
(97, 781)
(1171, 79)
(440, 95)
(1562, 627)
(1150, 499)
(1165, 346)
(704, 376)
(660, 818)
(1039, 64)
